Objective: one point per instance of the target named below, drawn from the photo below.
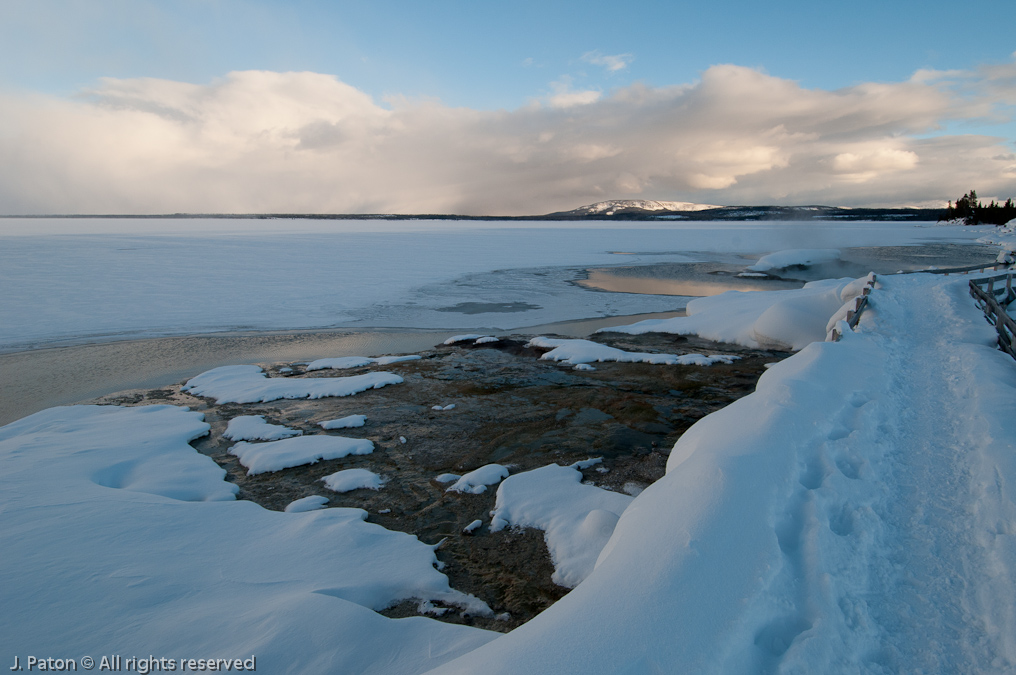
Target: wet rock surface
(510, 408)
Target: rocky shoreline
(510, 408)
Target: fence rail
(987, 299)
(959, 270)
(854, 315)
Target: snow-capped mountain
(634, 206)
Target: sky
(510, 108)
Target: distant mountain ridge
(616, 207)
(633, 209)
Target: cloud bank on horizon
(305, 142)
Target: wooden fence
(854, 315)
(987, 297)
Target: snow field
(119, 536)
(250, 384)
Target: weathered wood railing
(988, 300)
(854, 315)
(959, 270)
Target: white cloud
(612, 62)
(566, 97)
(305, 142)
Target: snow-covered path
(855, 514)
(949, 585)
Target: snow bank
(578, 352)
(795, 256)
(476, 482)
(311, 503)
(290, 452)
(787, 320)
(855, 514)
(468, 337)
(255, 428)
(353, 479)
(119, 538)
(250, 384)
(347, 422)
(343, 362)
(577, 520)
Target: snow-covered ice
(250, 384)
(347, 422)
(290, 452)
(788, 319)
(114, 278)
(311, 503)
(579, 352)
(119, 538)
(353, 479)
(255, 428)
(344, 362)
(795, 256)
(476, 482)
(577, 519)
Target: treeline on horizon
(973, 212)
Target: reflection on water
(701, 279)
(39, 379)
(688, 279)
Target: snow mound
(290, 452)
(250, 384)
(579, 352)
(476, 482)
(353, 479)
(347, 422)
(787, 320)
(344, 362)
(468, 337)
(795, 256)
(577, 520)
(311, 503)
(255, 428)
(486, 340)
(108, 559)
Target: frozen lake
(70, 281)
(82, 298)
